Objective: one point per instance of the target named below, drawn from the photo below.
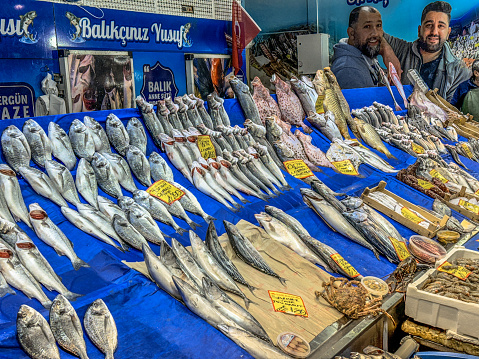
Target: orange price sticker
(288, 303)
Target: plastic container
(294, 345)
(426, 250)
(375, 285)
(446, 237)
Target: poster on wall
(158, 83)
(99, 80)
(16, 100)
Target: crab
(350, 298)
(402, 275)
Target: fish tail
(232, 209)
(73, 296)
(47, 304)
(263, 197)
(208, 218)
(165, 235)
(78, 263)
(125, 247)
(247, 301)
(180, 231)
(244, 201)
(376, 254)
(306, 128)
(389, 155)
(282, 280)
(276, 192)
(6, 290)
(193, 225)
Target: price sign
(467, 150)
(288, 303)
(400, 248)
(298, 169)
(165, 191)
(319, 104)
(458, 271)
(206, 147)
(440, 177)
(410, 215)
(469, 206)
(477, 193)
(346, 167)
(418, 149)
(425, 184)
(345, 266)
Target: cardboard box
(437, 223)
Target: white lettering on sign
(360, 2)
(159, 86)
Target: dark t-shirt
(428, 71)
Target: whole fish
(313, 153)
(245, 99)
(261, 98)
(325, 192)
(325, 124)
(42, 185)
(215, 271)
(223, 113)
(86, 183)
(163, 115)
(397, 82)
(182, 115)
(35, 335)
(238, 173)
(385, 80)
(15, 148)
(180, 143)
(159, 169)
(53, 236)
(101, 328)
(137, 134)
(63, 180)
(254, 175)
(100, 138)
(38, 141)
(174, 155)
(11, 199)
(193, 117)
(122, 171)
(141, 219)
(299, 152)
(8, 233)
(125, 203)
(264, 169)
(214, 167)
(152, 122)
(173, 113)
(105, 176)
(127, 232)
(87, 226)
(66, 327)
(188, 264)
(371, 137)
(81, 139)
(205, 116)
(20, 278)
(302, 92)
(61, 145)
(373, 159)
(191, 204)
(108, 208)
(247, 253)
(117, 134)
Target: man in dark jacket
(354, 60)
(430, 55)
(466, 97)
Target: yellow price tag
(346, 167)
(425, 184)
(418, 149)
(410, 215)
(469, 206)
(298, 169)
(400, 248)
(345, 266)
(165, 191)
(359, 143)
(477, 193)
(319, 104)
(458, 271)
(288, 303)
(476, 45)
(467, 150)
(440, 177)
(206, 147)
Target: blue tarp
(150, 323)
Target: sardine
(105, 176)
(15, 148)
(86, 183)
(100, 138)
(61, 145)
(117, 134)
(42, 184)
(101, 328)
(81, 140)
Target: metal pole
(317, 16)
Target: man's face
(434, 31)
(367, 33)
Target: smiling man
(430, 54)
(354, 61)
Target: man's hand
(388, 55)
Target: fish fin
(59, 252)
(193, 225)
(251, 288)
(181, 231)
(233, 209)
(282, 280)
(247, 301)
(73, 296)
(376, 254)
(78, 263)
(263, 197)
(209, 218)
(6, 290)
(389, 155)
(244, 201)
(237, 205)
(125, 247)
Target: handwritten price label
(298, 169)
(467, 150)
(469, 206)
(400, 248)
(439, 176)
(206, 147)
(410, 215)
(458, 271)
(425, 184)
(288, 303)
(418, 149)
(345, 266)
(165, 191)
(346, 167)
(319, 104)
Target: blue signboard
(92, 28)
(16, 100)
(27, 29)
(158, 83)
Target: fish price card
(298, 169)
(288, 303)
(345, 266)
(469, 206)
(467, 150)
(418, 149)
(408, 214)
(425, 184)
(206, 147)
(165, 191)
(319, 108)
(346, 167)
(440, 177)
(400, 248)
(458, 271)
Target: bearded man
(354, 60)
(430, 54)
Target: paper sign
(425, 184)
(288, 303)
(477, 193)
(346, 167)
(458, 271)
(467, 150)
(416, 148)
(345, 266)
(469, 206)
(165, 191)
(440, 177)
(400, 248)
(410, 215)
(206, 147)
(298, 169)
(319, 104)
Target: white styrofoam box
(442, 312)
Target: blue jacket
(351, 68)
(461, 92)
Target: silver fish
(35, 335)
(102, 144)
(125, 203)
(86, 183)
(101, 328)
(188, 264)
(441, 208)
(11, 199)
(8, 233)
(127, 232)
(61, 145)
(174, 155)
(117, 134)
(4, 287)
(141, 219)
(63, 180)
(139, 165)
(15, 148)
(105, 176)
(122, 171)
(214, 167)
(108, 208)
(38, 141)
(42, 184)
(66, 327)
(159, 168)
(81, 140)
(137, 134)
(152, 122)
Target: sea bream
(141, 219)
(100, 138)
(81, 140)
(127, 232)
(137, 134)
(42, 184)
(61, 145)
(86, 183)
(63, 180)
(122, 171)
(117, 134)
(101, 328)
(38, 141)
(15, 148)
(105, 176)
